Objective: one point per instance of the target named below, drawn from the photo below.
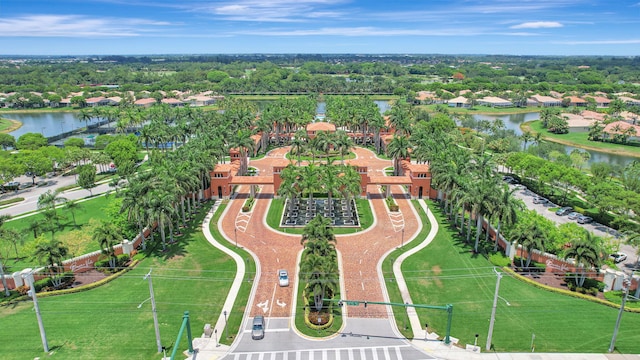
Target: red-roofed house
(622, 130)
(172, 102)
(575, 101)
(145, 102)
(314, 128)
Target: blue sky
(519, 27)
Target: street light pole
(402, 238)
(625, 292)
(493, 310)
(32, 292)
(226, 333)
(154, 311)
(235, 235)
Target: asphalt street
(596, 228)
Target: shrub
(499, 259)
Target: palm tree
(242, 141)
(343, 144)
(526, 137)
(52, 253)
(299, 142)
(398, 149)
(108, 235)
(72, 206)
(349, 185)
(586, 254)
(160, 208)
(324, 142)
(85, 115)
(507, 208)
(49, 200)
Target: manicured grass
(236, 314)
(580, 140)
(90, 209)
(399, 313)
(4, 203)
(277, 206)
(478, 109)
(446, 272)
(106, 322)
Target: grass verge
(106, 322)
(447, 272)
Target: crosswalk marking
(358, 353)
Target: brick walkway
(359, 253)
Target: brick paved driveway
(359, 253)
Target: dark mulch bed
(88, 277)
(551, 279)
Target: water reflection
(513, 122)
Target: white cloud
(537, 25)
(273, 10)
(75, 26)
(374, 31)
(601, 42)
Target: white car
(283, 277)
(618, 257)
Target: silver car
(574, 215)
(283, 277)
(257, 330)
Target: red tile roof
(321, 126)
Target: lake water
(54, 123)
(513, 122)
(46, 123)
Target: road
(31, 195)
(360, 339)
(596, 228)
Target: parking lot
(544, 209)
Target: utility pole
(493, 311)
(625, 292)
(154, 311)
(32, 292)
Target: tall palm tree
(586, 254)
(398, 149)
(52, 253)
(349, 185)
(343, 143)
(507, 208)
(299, 142)
(108, 235)
(49, 200)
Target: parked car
(283, 277)
(539, 200)
(618, 257)
(12, 185)
(257, 330)
(564, 211)
(574, 215)
(584, 219)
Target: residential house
(630, 101)
(146, 103)
(630, 117)
(314, 128)
(544, 101)
(97, 101)
(622, 128)
(203, 100)
(459, 102)
(577, 123)
(494, 101)
(592, 115)
(601, 101)
(576, 101)
(172, 102)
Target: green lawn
(90, 209)
(235, 316)
(277, 205)
(579, 139)
(478, 109)
(446, 272)
(106, 323)
(400, 315)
